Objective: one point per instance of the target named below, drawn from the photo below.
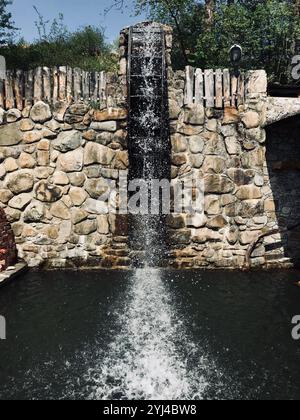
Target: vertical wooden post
(85, 85)
(9, 93)
(2, 78)
(209, 88)
(189, 85)
(226, 84)
(62, 83)
(37, 86)
(219, 88)
(47, 84)
(94, 86)
(102, 88)
(241, 90)
(77, 84)
(234, 90)
(69, 91)
(29, 88)
(19, 89)
(199, 87)
(2, 94)
(55, 84)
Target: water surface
(150, 334)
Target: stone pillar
(256, 93)
(123, 47)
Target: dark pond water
(150, 334)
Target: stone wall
(283, 161)
(227, 150)
(53, 166)
(55, 162)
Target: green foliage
(266, 32)
(95, 105)
(266, 29)
(7, 28)
(57, 46)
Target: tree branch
(116, 4)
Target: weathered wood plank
(19, 89)
(209, 88)
(37, 86)
(94, 86)
(219, 88)
(102, 87)
(226, 88)
(85, 85)
(9, 92)
(199, 87)
(2, 68)
(241, 90)
(69, 87)
(189, 85)
(29, 87)
(47, 95)
(55, 83)
(77, 84)
(2, 94)
(212, 89)
(62, 82)
(234, 90)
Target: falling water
(149, 357)
(148, 131)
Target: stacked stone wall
(55, 163)
(226, 149)
(56, 160)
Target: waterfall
(148, 132)
(150, 355)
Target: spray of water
(149, 122)
(149, 357)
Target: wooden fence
(214, 89)
(22, 88)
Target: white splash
(144, 360)
(151, 356)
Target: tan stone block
(26, 161)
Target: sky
(76, 13)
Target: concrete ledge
(281, 108)
(12, 272)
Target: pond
(150, 334)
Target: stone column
(123, 47)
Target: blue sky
(76, 13)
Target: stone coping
(12, 272)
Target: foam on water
(149, 357)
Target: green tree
(187, 18)
(267, 33)
(205, 30)
(7, 27)
(57, 46)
